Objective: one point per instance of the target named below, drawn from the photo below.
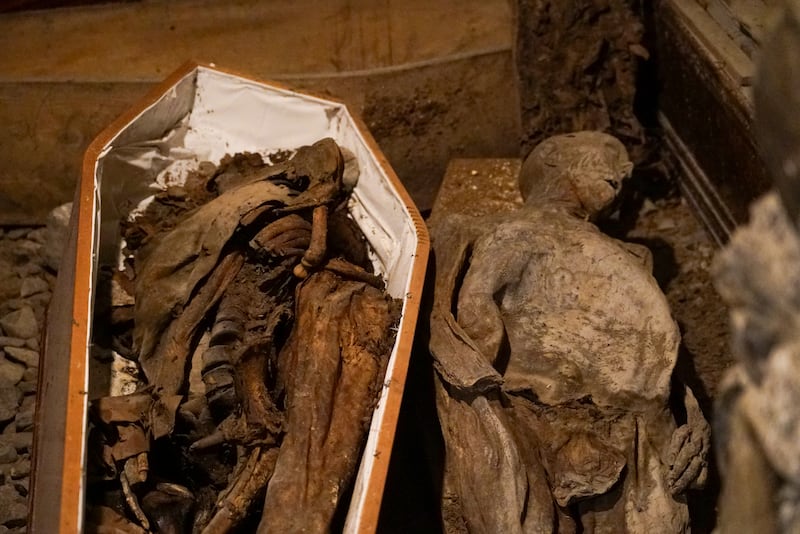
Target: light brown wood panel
(421, 117)
(144, 41)
(46, 128)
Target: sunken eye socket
(613, 183)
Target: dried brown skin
(540, 318)
(201, 264)
(227, 265)
(171, 267)
(330, 370)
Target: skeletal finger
(692, 473)
(284, 224)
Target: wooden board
(145, 41)
(433, 80)
(729, 54)
(420, 116)
(478, 187)
(709, 122)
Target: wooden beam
(421, 116)
(145, 41)
(708, 118)
(416, 70)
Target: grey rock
(10, 398)
(28, 249)
(11, 372)
(32, 285)
(30, 375)
(27, 356)
(21, 441)
(14, 304)
(17, 233)
(13, 509)
(22, 486)
(28, 403)
(21, 469)
(10, 285)
(38, 235)
(20, 323)
(27, 388)
(8, 453)
(24, 419)
(39, 301)
(28, 269)
(6, 341)
(57, 235)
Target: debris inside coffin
(248, 306)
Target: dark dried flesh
(262, 336)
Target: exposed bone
(166, 367)
(318, 244)
(133, 502)
(350, 271)
(239, 497)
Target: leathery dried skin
(330, 369)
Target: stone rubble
(29, 258)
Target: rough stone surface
(22, 441)
(11, 372)
(8, 453)
(22, 486)
(26, 356)
(13, 510)
(21, 469)
(10, 283)
(6, 341)
(26, 285)
(9, 401)
(27, 388)
(24, 419)
(17, 233)
(20, 323)
(31, 374)
(33, 285)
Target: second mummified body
(554, 349)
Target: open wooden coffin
(201, 113)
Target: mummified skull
(584, 168)
(556, 362)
